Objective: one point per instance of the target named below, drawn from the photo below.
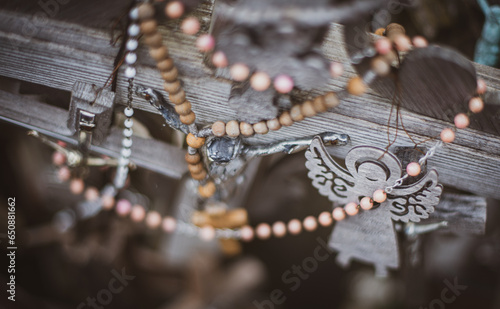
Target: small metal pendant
(369, 236)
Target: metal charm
(370, 236)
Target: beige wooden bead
(331, 100)
(285, 119)
(188, 119)
(356, 86)
(165, 65)
(207, 190)
(195, 142)
(149, 27)
(172, 87)
(380, 66)
(184, 108)
(393, 30)
(274, 124)
(319, 104)
(307, 109)
(195, 168)
(233, 128)
(219, 128)
(260, 127)
(170, 75)
(199, 176)
(177, 98)
(154, 40)
(296, 113)
(246, 129)
(146, 11)
(192, 158)
(159, 53)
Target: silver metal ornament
(369, 236)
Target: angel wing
(328, 177)
(417, 201)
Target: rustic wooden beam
(62, 53)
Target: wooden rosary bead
(319, 104)
(296, 113)
(188, 119)
(356, 86)
(261, 127)
(274, 124)
(285, 119)
(233, 128)
(199, 176)
(170, 75)
(177, 98)
(192, 158)
(393, 30)
(149, 27)
(172, 87)
(331, 100)
(194, 142)
(208, 190)
(380, 31)
(154, 40)
(246, 129)
(159, 53)
(219, 128)
(195, 168)
(183, 109)
(165, 65)
(381, 66)
(307, 109)
(146, 11)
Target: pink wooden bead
(283, 83)
(58, 158)
(366, 203)
(279, 229)
(383, 46)
(263, 231)
(476, 105)
(402, 43)
(310, 223)
(413, 169)
(379, 196)
(239, 72)
(336, 69)
(462, 121)
(447, 135)
(190, 25)
(76, 186)
(205, 43)
(351, 209)
(137, 213)
(260, 81)
(174, 9)
(219, 59)
(325, 218)
(481, 86)
(207, 233)
(247, 233)
(91, 194)
(123, 208)
(108, 201)
(169, 224)
(338, 214)
(153, 219)
(294, 227)
(63, 174)
(420, 42)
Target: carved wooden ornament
(369, 236)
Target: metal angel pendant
(369, 236)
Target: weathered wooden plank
(472, 163)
